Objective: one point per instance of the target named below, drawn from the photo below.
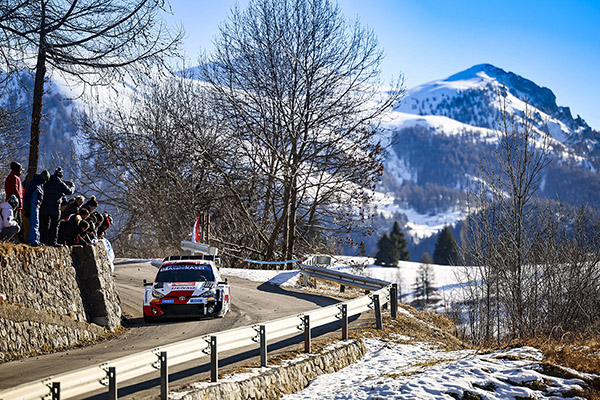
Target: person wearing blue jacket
(54, 190)
(34, 194)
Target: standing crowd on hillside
(42, 213)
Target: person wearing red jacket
(14, 185)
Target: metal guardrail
(108, 374)
(343, 278)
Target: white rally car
(186, 286)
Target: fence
(109, 374)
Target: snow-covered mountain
(442, 131)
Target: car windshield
(185, 273)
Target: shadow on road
(122, 261)
(319, 300)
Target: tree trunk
(36, 113)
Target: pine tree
(446, 250)
(399, 242)
(386, 254)
(392, 248)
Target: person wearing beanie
(91, 204)
(14, 186)
(8, 226)
(34, 195)
(106, 223)
(54, 190)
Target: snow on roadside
(421, 371)
(279, 278)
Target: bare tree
(535, 265)
(157, 161)
(425, 290)
(92, 41)
(501, 238)
(297, 86)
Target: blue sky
(553, 43)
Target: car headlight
(157, 295)
(209, 293)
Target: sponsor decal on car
(176, 287)
(185, 267)
(165, 301)
(195, 300)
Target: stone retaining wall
(41, 278)
(285, 379)
(45, 309)
(98, 290)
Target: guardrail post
(344, 321)
(263, 345)
(55, 390)
(394, 300)
(214, 360)
(164, 376)
(307, 344)
(376, 305)
(112, 383)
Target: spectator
(54, 190)
(69, 228)
(91, 204)
(82, 227)
(106, 223)
(96, 218)
(72, 207)
(89, 237)
(14, 186)
(8, 225)
(34, 194)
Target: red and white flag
(196, 234)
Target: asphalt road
(252, 302)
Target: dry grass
(579, 351)
(323, 285)
(424, 326)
